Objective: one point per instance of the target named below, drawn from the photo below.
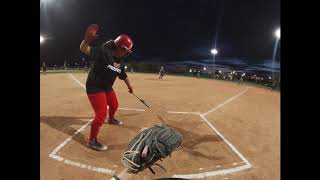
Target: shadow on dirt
(64, 125)
(192, 139)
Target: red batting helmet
(124, 41)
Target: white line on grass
(131, 109)
(91, 168)
(213, 173)
(54, 152)
(177, 112)
(219, 172)
(224, 171)
(77, 81)
(225, 140)
(225, 102)
(54, 155)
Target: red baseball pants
(99, 102)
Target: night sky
(179, 29)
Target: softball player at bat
(108, 65)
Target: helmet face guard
(125, 51)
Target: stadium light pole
(214, 52)
(41, 42)
(277, 34)
(42, 39)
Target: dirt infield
(247, 117)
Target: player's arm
(127, 81)
(85, 48)
(90, 35)
(123, 76)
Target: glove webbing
(132, 153)
(168, 138)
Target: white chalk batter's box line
(54, 155)
(246, 165)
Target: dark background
(177, 29)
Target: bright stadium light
(214, 51)
(277, 33)
(220, 72)
(41, 39)
(45, 2)
(204, 68)
(125, 67)
(190, 70)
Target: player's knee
(114, 107)
(101, 116)
(97, 123)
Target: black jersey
(105, 69)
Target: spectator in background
(44, 68)
(274, 85)
(86, 69)
(241, 79)
(198, 74)
(161, 73)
